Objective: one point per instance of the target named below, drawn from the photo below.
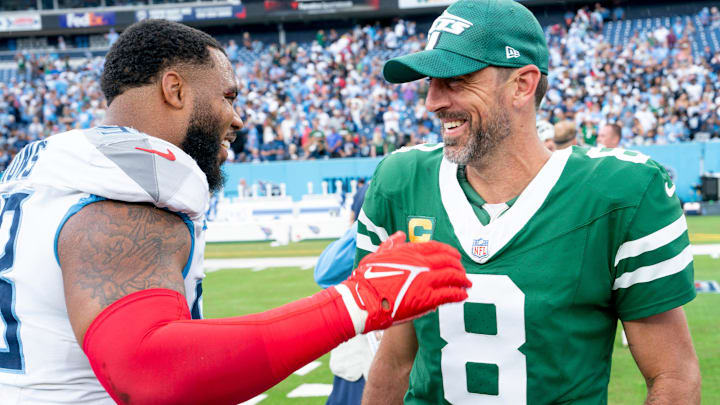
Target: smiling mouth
(453, 124)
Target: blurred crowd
(327, 98)
(650, 85)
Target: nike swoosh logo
(167, 155)
(380, 274)
(414, 272)
(669, 190)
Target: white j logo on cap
(446, 23)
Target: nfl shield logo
(480, 248)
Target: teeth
(453, 124)
(226, 144)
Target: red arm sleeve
(145, 349)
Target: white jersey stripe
(653, 241)
(371, 227)
(655, 271)
(364, 243)
(422, 148)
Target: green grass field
(704, 229)
(242, 291)
(249, 250)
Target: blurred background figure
(565, 134)
(546, 132)
(610, 136)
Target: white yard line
(311, 390)
(259, 264)
(713, 250)
(306, 369)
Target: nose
(437, 96)
(236, 123)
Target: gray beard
(482, 142)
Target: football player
(103, 240)
(559, 246)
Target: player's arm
(653, 279)
(664, 353)
(390, 370)
(122, 269)
(110, 249)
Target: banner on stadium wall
(189, 14)
(424, 3)
(296, 175)
(85, 20)
(318, 6)
(20, 22)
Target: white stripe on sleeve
(653, 241)
(655, 271)
(377, 230)
(364, 243)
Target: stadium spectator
(501, 197)
(609, 136)
(565, 134)
(275, 149)
(546, 132)
(109, 290)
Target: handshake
(402, 281)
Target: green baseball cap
(471, 35)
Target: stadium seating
(298, 92)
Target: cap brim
(430, 63)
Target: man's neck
(135, 108)
(508, 171)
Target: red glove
(402, 281)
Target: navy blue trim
(72, 211)
(195, 311)
(191, 228)
(9, 255)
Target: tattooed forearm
(111, 249)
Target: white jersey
(41, 362)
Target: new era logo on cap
(511, 52)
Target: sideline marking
(308, 368)
(311, 390)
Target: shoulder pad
(617, 174)
(126, 165)
(395, 171)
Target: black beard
(202, 142)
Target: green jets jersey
(597, 236)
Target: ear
(526, 80)
(174, 89)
